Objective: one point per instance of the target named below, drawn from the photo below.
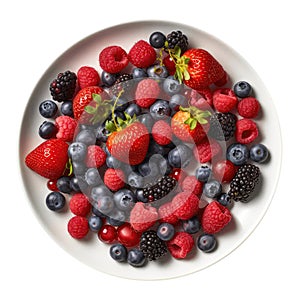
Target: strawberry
(197, 68)
(187, 124)
(129, 139)
(162, 133)
(49, 159)
(143, 216)
(87, 100)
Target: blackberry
(152, 246)
(121, 84)
(177, 38)
(160, 189)
(244, 182)
(222, 126)
(63, 87)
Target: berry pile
(150, 152)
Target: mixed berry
(151, 150)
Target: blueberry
(118, 252)
(108, 79)
(259, 153)
(124, 199)
(79, 167)
(101, 133)
(176, 101)
(242, 89)
(180, 156)
(206, 242)
(105, 204)
(160, 110)
(157, 71)
(47, 130)
(86, 136)
(212, 189)
(136, 258)
(191, 225)
(95, 223)
(135, 180)
(55, 201)
(155, 149)
(203, 173)
(237, 154)
(139, 73)
(224, 199)
(133, 109)
(122, 104)
(165, 231)
(66, 108)
(63, 184)
(100, 191)
(116, 218)
(147, 120)
(144, 168)
(140, 196)
(77, 185)
(157, 39)
(92, 177)
(48, 109)
(112, 162)
(171, 86)
(77, 151)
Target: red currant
(51, 185)
(107, 234)
(224, 170)
(170, 64)
(178, 174)
(127, 235)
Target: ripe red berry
(224, 100)
(142, 54)
(248, 107)
(107, 234)
(180, 245)
(206, 150)
(246, 131)
(95, 157)
(78, 227)
(162, 133)
(127, 235)
(185, 205)
(192, 185)
(147, 92)
(51, 185)
(224, 170)
(87, 76)
(113, 59)
(178, 174)
(169, 64)
(66, 128)
(114, 179)
(80, 204)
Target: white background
(34, 34)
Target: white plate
(245, 216)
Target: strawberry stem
(118, 128)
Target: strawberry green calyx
(196, 116)
(99, 109)
(181, 64)
(117, 124)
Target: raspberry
(66, 127)
(147, 92)
(202, 99)
(162, 133)
(142, 54)
(192, 185)
(78, 227)
(207, 150)
(95, 157)
(113, 59)
(224, 100)
(166, 214)
(143, 216)
(80, 204)
(224, 170)
(114, 179)
(215, 217)
(87, 76)
(185, 205)
(180, 245)
(246, 131)
(248, 107)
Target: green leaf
(193, 124)
(97, 98)
(90, 109)
(120, 121)
(177, 51)
(186, 74)
(110, 126)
